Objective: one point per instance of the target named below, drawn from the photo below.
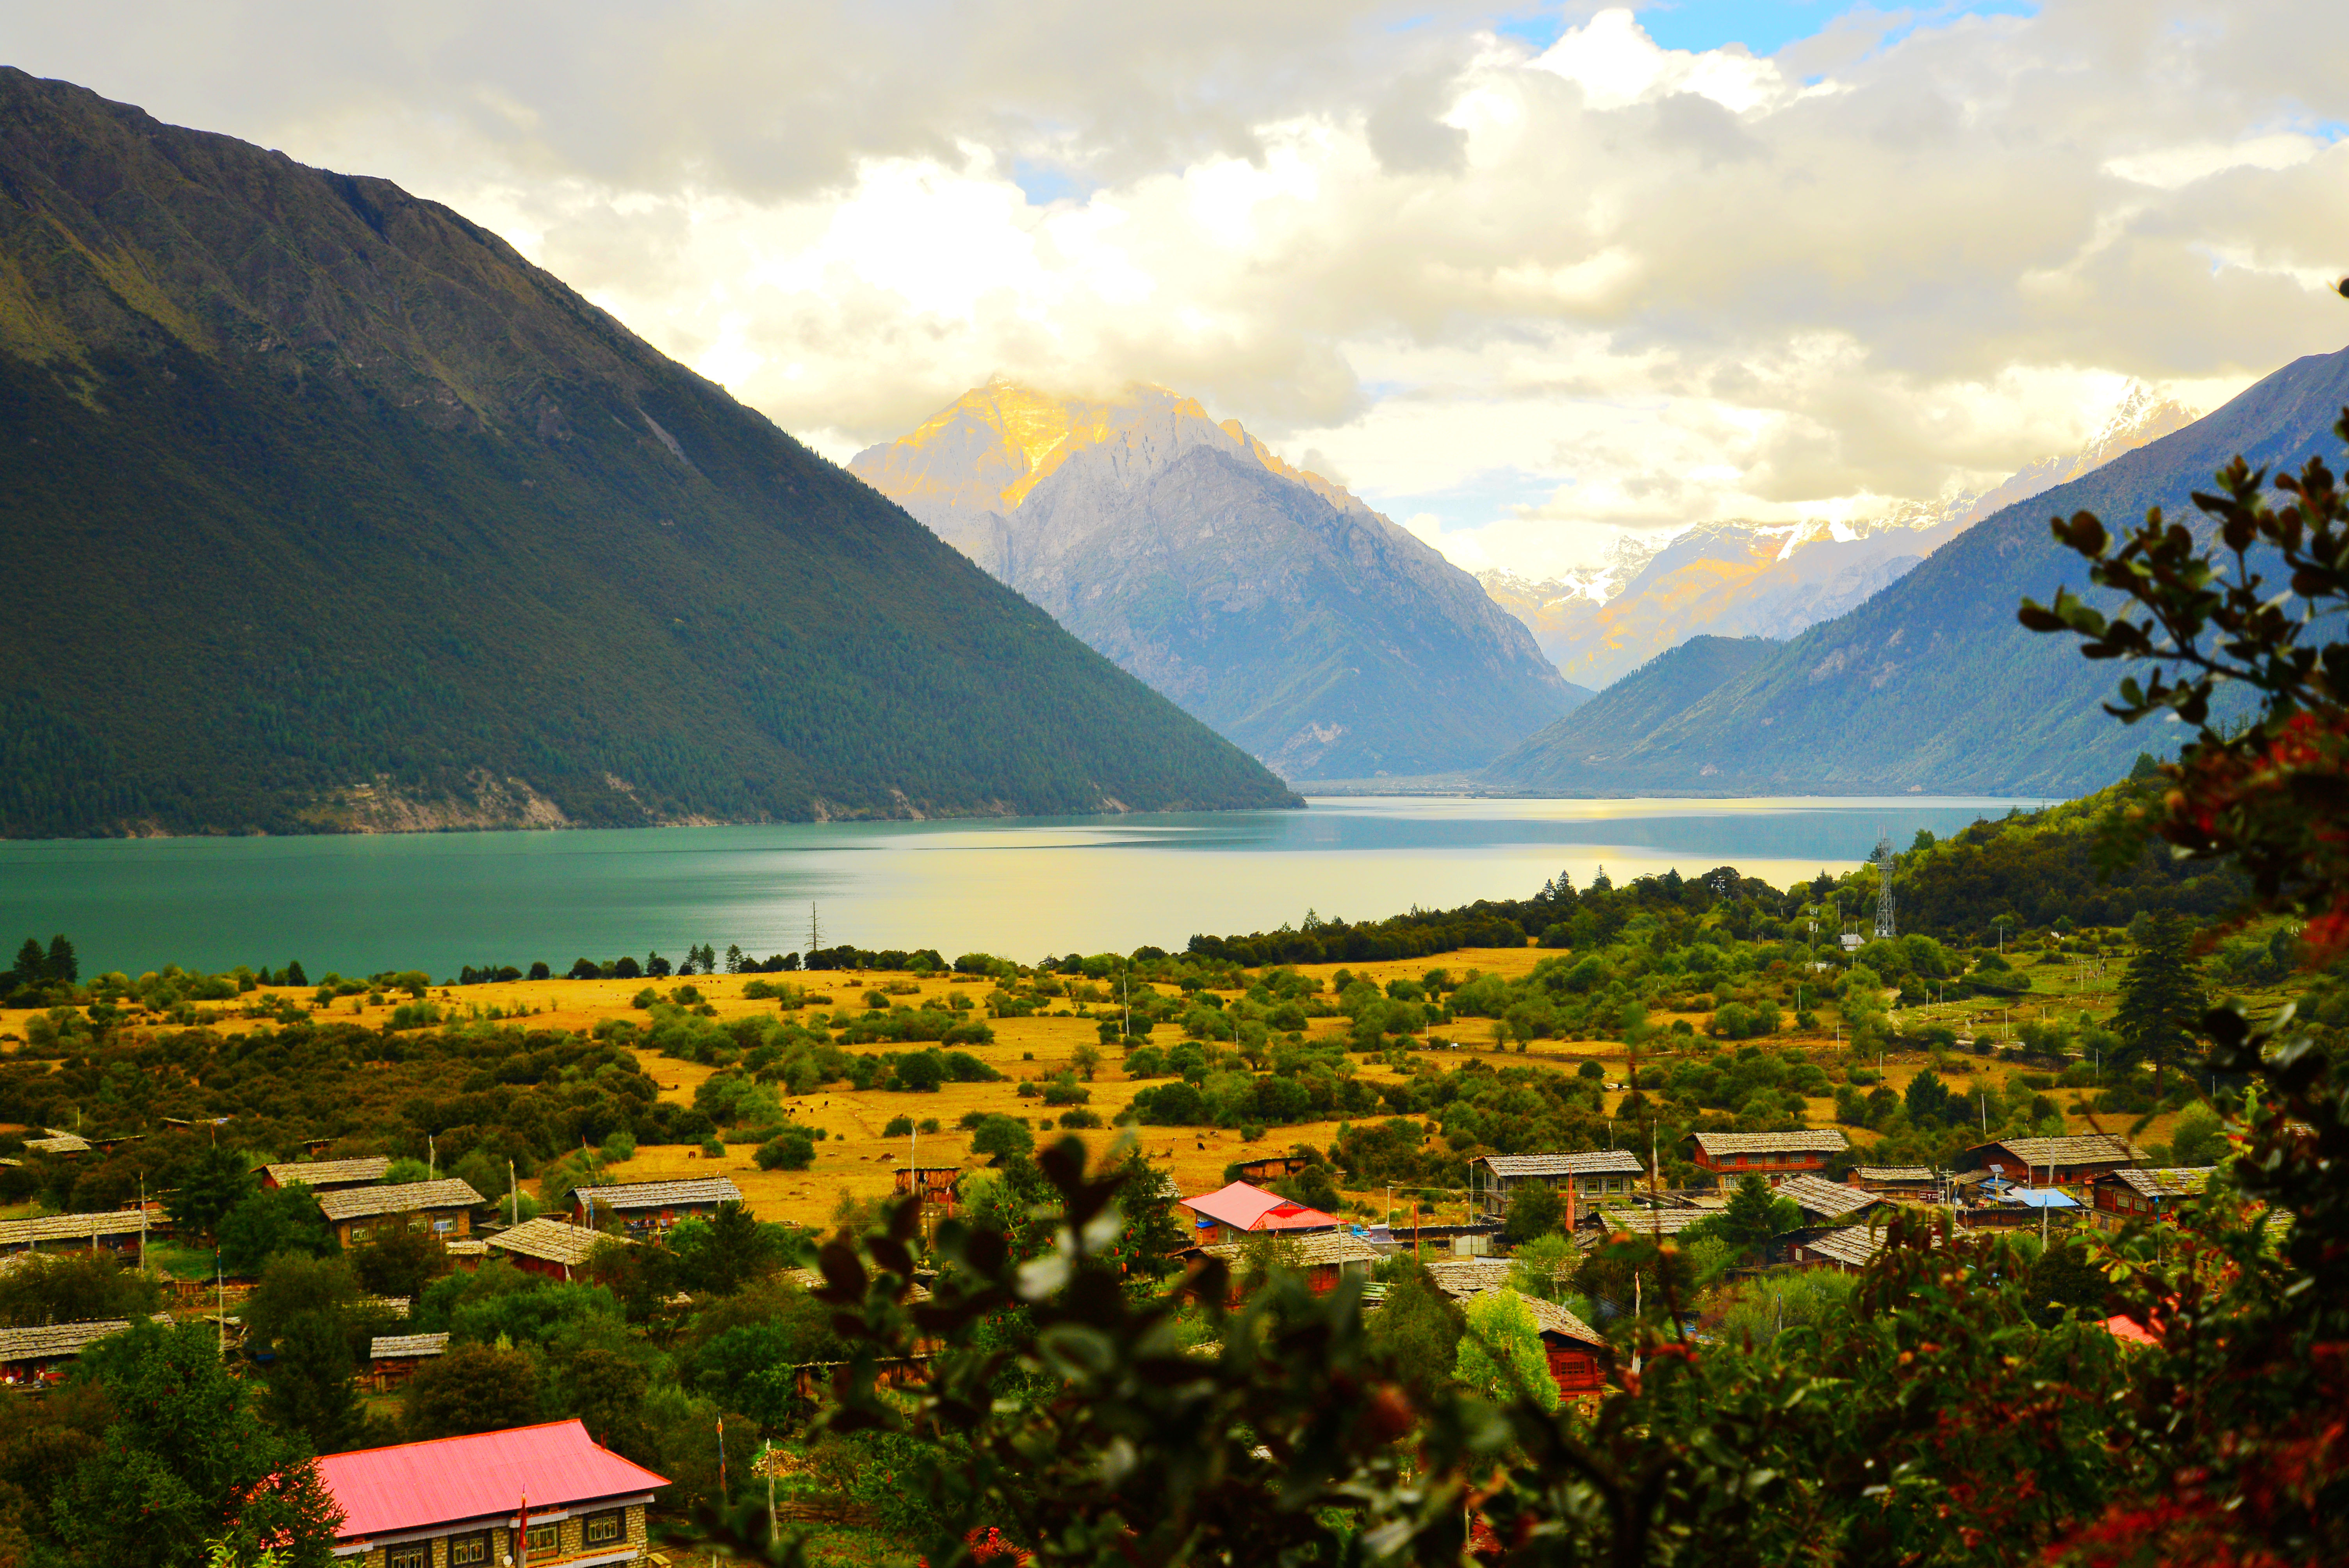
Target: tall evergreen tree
(32, 967)
(2162, 999)
(62, 966)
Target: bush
(792, 1150)
(1003, 1136)
(1080, 1117)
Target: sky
(1526, 277)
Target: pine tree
(2161, 1000)
(31, 966)
(62, 966)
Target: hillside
(1266, 600)
(328, 510)
(1757, 580)
(1930, 685)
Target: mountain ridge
(353, 518)
(1930, 685)
(1268, 601)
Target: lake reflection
(1022, 887)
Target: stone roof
(55, 1340)
(1591, 1163)
(1551, 1318)
(399, 1347)
(59, 1144)
(1466, 1277)
(1893, 1172)
(320, 1172)
(72, 1227)
(1312, 1251)
(2169, 1182)
(550, 1240)
(466, 1247)
(359, 1203)
(1804, 1141)
(2083, 1148)
(1829, 1200)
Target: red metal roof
(414, 1486)
(1246, 1208)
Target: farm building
(549, 1247)
(326, 1175)
(458, 1503)
(67, 1145)
(1239, 1210)
(116, 1230)
(1916, 1180)
(2122, 1196)
(1583, 1179)
(938, 1184)
(1770, 1154)
(1823, 1201)
(35, 1355)
(2057, 1161)
(1324, 1257)
(444, 1207)
(654, 1205)
(393, 1359)
(1846, 1250)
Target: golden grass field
(855, 1160)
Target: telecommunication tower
(1883, 859)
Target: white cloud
(1529, 298)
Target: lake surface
(1021, 887)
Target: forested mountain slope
(1266, 600)
(324, 509)
(1932, 686)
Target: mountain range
(1265, 599)
(1929, 686)
(328, 510)
(1772, 580)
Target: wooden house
(467, 1252)
(1576, 1352)
(1583, 1179)
(326, 1175)
(1733, 1155)
(1846, 1251)
(1828, 1202)
(393, 1359)
(937, 1182)
(65, 1145)
(32, 1355)
(116, 1229)
(444, 1207)
(553, 1248)
(1917, 1181)
(653, 1205)
(462, 1502)
(1323, 1258)
(2054, 1162)
(2121, 1197)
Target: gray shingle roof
(1829, 1200)
(2083, 1148)
(1805, 1140)
(1853, 1246)
(398, 1346)
(1551, 1318)
(1466, 1277)
(59, 1144)
(60, 1339)
(325, 1173)
(1661, 1222)
(1591, 1163)
(1894, 1172)
(359, 1203)
(1312, 1250)
(551, 1240)
(72, 1227)
(665, 1194)
(2169, 1182)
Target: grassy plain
(854, 1157)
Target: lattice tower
(1883, 859)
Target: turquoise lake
(1021, 887)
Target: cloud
(1526, 297)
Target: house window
(412, 1554)
(605, 1528)
(541, 1541)
(468, 1551)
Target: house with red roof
(1230, 1212)
(459, 1502)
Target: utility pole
(513, 1197)
(142, 1222)
(816, 931)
